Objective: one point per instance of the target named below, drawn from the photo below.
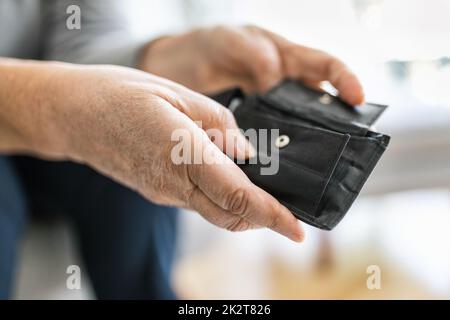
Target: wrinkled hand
(212, 59)
(120, 122)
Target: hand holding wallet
(326, 148)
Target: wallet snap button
(282, 141)
(325, 99)
(234, 104)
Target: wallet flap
(323, 108)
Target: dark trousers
(127, 243)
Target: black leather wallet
(325, 147)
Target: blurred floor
(405, 234)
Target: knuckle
(170, 94)
(238, 202)
(267, 61)
(176, 100)
(237, 225)
(180, 104)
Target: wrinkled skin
(119, 120)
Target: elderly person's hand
(211, 59)
(120, 121)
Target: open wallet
(325, 148)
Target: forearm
(27, 117)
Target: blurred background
(401, 51)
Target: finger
(303, 63)
(230, 189)
(252, 55)
(218, 122)
(216, 215)
(262, 59)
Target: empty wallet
(325, 147)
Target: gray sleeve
(103, 37)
